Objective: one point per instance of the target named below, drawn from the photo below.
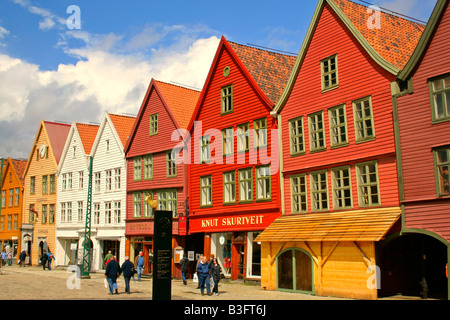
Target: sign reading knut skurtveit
(162, 256)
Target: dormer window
(227, 99)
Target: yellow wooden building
(39, 201)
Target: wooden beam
(329, 254)
(314, 256)
(363, 255)
(275, 256)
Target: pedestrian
(196, 275)
(112, 272)
(107, 257)
(9, 258)
(44, 259)
(203, 276)
(184, 264)
(215, 274)
(22, 258)
(127, 270)
(50, 258)
(139, 262)
(3, 256)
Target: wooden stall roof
(356, 225)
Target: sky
(56, 67)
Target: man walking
(140, 264)
(112, 272)
(203, 276)
(127, 270)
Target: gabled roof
(87, 133)
(270, 70)
(179, 102)
(427, 36)
(57, 134)
(391, 46)
(16, 165)
(123, 125)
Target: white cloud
(3, 32)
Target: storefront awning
(355, 225)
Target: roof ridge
(269, 50)
(181, 86)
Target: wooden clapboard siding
(359, 77)
(249, 104)
(418, 135)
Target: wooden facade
(40, 192)
(337, 142)
(233, 175)
(422, 99)
(165, 109)
(11, 205)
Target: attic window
(329, 73)
(227, 99)
(154, 124)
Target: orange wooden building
(11, 205)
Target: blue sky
(49, 71)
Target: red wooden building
(151, 170)
(423, 107)
(233, 175)
(339, 173)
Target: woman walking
(215, 274)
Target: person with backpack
(128, 271)
(44, 259)
(184, 264)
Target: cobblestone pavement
(33, 283)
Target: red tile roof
(123, 126)
(395, 41)
(181, 101)
(19, 167)
(57, 133)
(269, 69)
(88, 133)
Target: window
(69, 211)
(342, 193)
(206, 191)
(16, 196)
(137, 202)
(44, 213)
(52, 184)
(117, 179)
(108, 212)
(69, 181)
(299, 194)
(319, 191)
(2, 223)
(32, 185)
(63, 212)
(368, 190)
(338, 126)
(148, 167)
(167, 201)
(442, 165)
(80, 180)
(364, 127)
(228, 141)
(171, 164)
(316, 132)
(97, 181)
(263, 183)
(440, 98)
(154, 124)
(329, 73)
(245, 185)
(16, 222)
(11, 197)
(137, 169)
(205, 149)
(117, 212)
(64, 181)
(108, 180)
(229, 187)
(243, 141)
(227, 99)
(51, 214)
(148, 210)
(260, 127)
(80, 211)
(44, 185)
(3, 198)
(31, 213)
(96, 219)
(296, 136)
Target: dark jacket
(184, 264)
(126, 269)
(215, 271)
(112, 269)
(23, 255)
(44, 258)
(203, 268)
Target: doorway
(295, 271)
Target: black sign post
(162, 256)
